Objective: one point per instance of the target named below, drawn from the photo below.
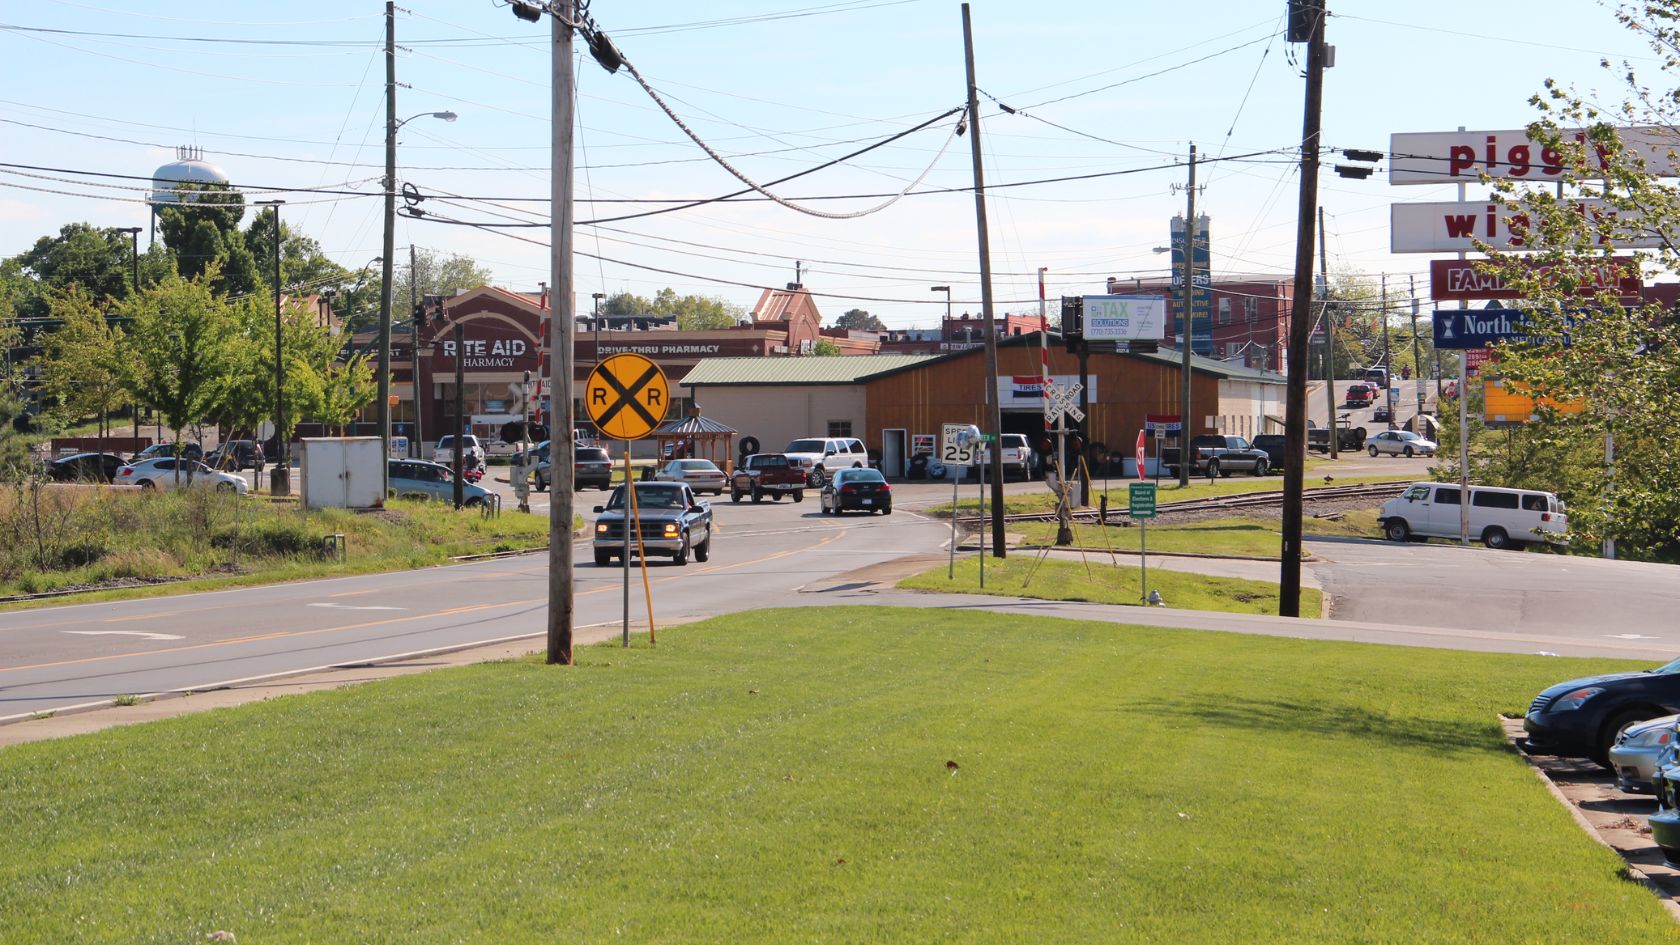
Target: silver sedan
(702, 475)
(1399, 443)
(1641, 750)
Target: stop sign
(1140, 474)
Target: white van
(1499, 518)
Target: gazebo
(697, 437)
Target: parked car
(1017, 457)
(163, 475)
(824, 457)
(1583, 718)
(671, 520)
(702, 475)
(85, 467)
(767, 474)
(1640, 751)
(472, 452)
(1400, 443)
(191, 451)
(862, 490)
(591, 466)
(1382, 413)
(1499, 518)
(1349, 436)
(1665, 823)
(416, 479)
(1273, 446)
(1215, 454)
(236, 454)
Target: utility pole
(1382, 325)
(414, 348)
(1329, 337)
(561, 447)
(1417, 356)
(279, 481)
(383, 406)
(994, 417)
(1295, 416)
(1187, 322)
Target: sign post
(1141, 506)
(956, 448)
(626, 396)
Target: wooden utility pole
(1187, 323)
(561, 448)
(1329, 336)
(387, 257)
(994, 418)
(1295, 417)
(1417, 356)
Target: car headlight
(670, 528)
(1570, 701)
(600, 528)
(1652, 738)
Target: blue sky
(290, 95)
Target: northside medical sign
(1125, 317)
(1469, 329)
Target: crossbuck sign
(1063, 401)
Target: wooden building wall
(922, 398)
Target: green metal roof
(839, 369)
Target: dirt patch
(1609, 816)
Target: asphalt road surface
(785, 554)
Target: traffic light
(1073, 322)
(1044, 447)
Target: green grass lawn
(1044, 500)
(1248, 535)
(834, 775)
(1097, 581)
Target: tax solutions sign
(1125, 317)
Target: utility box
(345, 472)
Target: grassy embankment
(1043, 500)
(834, 774)
(1245, 535)
(67, 538)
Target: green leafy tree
(182, 350)
(309, 352)
(825, 348)
(696, 312)
(81, 255)
(623, 304)
(201, 230)
(859, 320)
(81, 361)
(433, 273)
(1618, 362)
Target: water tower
(189, 167)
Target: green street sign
(1141, 499)
(988, 437)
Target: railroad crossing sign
(1063, 401)
(626, 395)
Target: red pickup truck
(767, 474)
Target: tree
(859, 320)
(693, 312)
(623, 304)
(81, 361)
(303, 266)
(824, 348)
(433, 273)
(314, 387)
(1617, 361)
(95, 260)
(201, 230)
(181, 350)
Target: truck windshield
(649, 496)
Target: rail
(1243, 500)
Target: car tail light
(849, 490)
(1545, 516)
(885, 487)
(127, 471)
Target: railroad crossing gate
(627, 396)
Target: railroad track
(1246, 500)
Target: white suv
(1017, 457)
(823, 456)
(471, 452)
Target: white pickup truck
(1017, 457)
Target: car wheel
(1397, 529)
(1619, 723)
(1213, 469)
(224, 487)
(542, 484)
(603, 559)
(799, 495)
(1260, 467)
(1408, 452)
(472, 503)
(703, 551)
(734, 495)
(681, 557)
(887, 510)
(1496, 538)
(1373, 452)
(757, 495)
(146, 485)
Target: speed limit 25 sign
(957, 445)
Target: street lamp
(947, 290)
(280, 481)
(391, 126)
(134, 250)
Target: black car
(1272, 444)
(85, 467)
(1582, 717)
(188, 451)
(235, 454)
(863, 490)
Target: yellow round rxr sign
(627, 396)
